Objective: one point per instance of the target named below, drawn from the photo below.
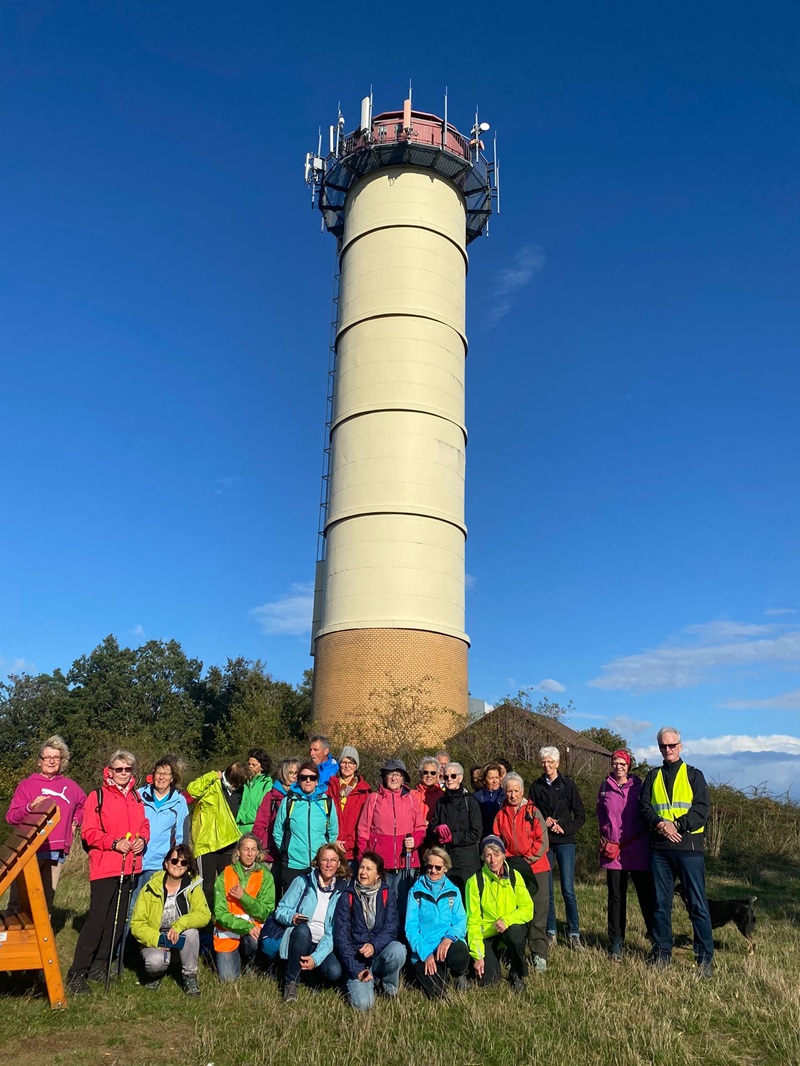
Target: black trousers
(211, 866)
(288, 875)
(617, 882)
(510, 946)
(94, 940)
(456, 963)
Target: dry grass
(585, 1011)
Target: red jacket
(349, 812)
(522, 831)
(111, 817)
(387, 818)
(429, 796)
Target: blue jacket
(167, 820)
(312, 822)
(435, 911)
(490, 801)
(350, 930)
(301, 898)
(326, 769)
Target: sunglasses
(430, 773)
(121, 770)
(308, 777)
(177, 862)
(452, 777)
(665, 746)
(433, 866)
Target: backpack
(512, 877)
(291, 799)
(98, 792)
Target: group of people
(316, 877)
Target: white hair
(667, 729)
(510, 779)
(550, 753)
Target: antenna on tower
(444, 122)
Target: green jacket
(213, 824)
(149, 909)
(254, 792)
(258, 907)
(499, 899)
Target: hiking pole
(116, 917)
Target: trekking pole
(116, 917)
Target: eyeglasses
(121, 770)
(434, 867)
(177, 862)
(307, 777)
(50, 758)
(430, 773)
(452, 777)
(675, 745)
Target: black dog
(739, 911)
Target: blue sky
(633, 370)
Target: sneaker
(615, 951)
(77, 985)
(575, 944)
(190, 986)
(290, 993)
(98, 971)
(153, 984)
(517, 985)
(539, 964)
(462, 983)
(705, 971)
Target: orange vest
(224, 939)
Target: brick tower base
(407, 682)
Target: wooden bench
(27, 941)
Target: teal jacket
(312, 821)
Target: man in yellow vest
(675, 804)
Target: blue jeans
(387, 968)
(229, 963)
(564, 855)
(300, 943)
(689, 867)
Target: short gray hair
(667, 729)
(128, 756)
(509, 778)
(456, 767)
(429, 760)
(550, 753)
(57, 744)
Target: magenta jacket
(621, 823)
(387, 817)
(68, 797)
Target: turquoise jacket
(434, 911)
(312, 821)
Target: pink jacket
(120, 814)
(621, 823)
(63, 791)
(387, 818)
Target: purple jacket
(621, 823)
(68, 796)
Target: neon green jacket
(500, 899)
(213, 824)
(149, 909)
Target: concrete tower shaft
(390, 603)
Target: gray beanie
(493, 841)
(350, 753)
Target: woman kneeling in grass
(169, 911)
(499, 908)
(244, 897)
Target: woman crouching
(499, 908)
(169, 911)
(244, 897)
(365, 931)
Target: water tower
(404, 194)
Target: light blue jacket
(301, 898)
(434, 911)
(167, 820)
(312, 822)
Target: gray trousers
(156, 964)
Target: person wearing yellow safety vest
(244, 897)
(675, 804)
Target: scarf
(369, 901)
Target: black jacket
(461, 813)
(561, 801)
(695, 818)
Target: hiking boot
(98, 971)
(152, 984)
(77, 985)
(615, 951)
(705, 970)
(539, 964)
(290, 992)
(575, 943)
(190, 986)
(462, 983)
(552, 939)
(517, 985)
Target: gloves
(444, 834)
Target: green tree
(524, 700)
(32, 708)
(253, 709)
(605, 737)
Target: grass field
(585, 1011)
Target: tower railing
(324, 493)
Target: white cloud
(730, 744)
(698, 654)
(773, 611)
(628, 727)
(17, 666)
(549, 684)
(289, 615)
(138, 631)
(786, 701)
(469, 581)
(525, 265)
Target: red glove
(444, 834)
